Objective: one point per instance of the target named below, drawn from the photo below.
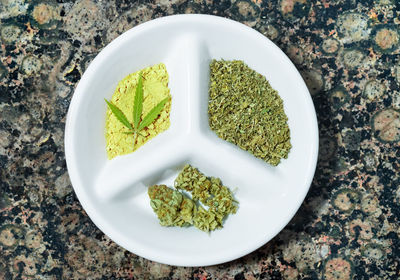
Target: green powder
(245, 110)
(174, 208)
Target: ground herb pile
(175, 208)
(245, 110)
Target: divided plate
(114, 192)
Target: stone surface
(347, 227)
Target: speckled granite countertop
(348, 53)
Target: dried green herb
(138, 123)
(174, 208)
(245, 110)
(210, 192)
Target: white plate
(113, 193)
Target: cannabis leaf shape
(138, 123)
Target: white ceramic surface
(113, 193)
